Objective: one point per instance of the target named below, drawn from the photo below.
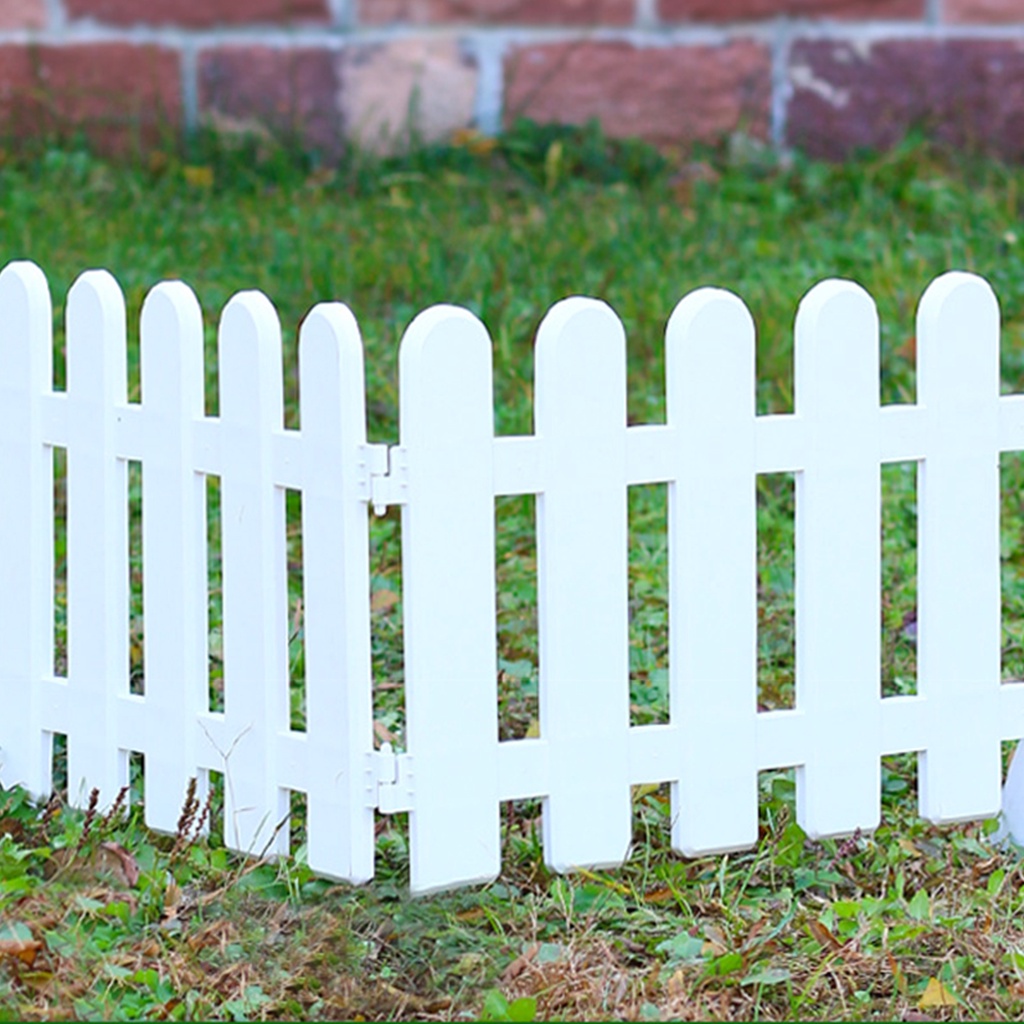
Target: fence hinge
(390, 780)
(386, 475)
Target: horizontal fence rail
(445, 473)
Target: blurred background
(827, 77)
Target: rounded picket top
(836, 348)
(580, 319)
(332, 400)
(96, 336)
(249, 352)
(958, 337)
(250, 317)
(23, 286)
(445, 356)
(96, 297)
(827, 302)
(26, 326)
(330, 335)
(445, 325)
(171, 346)
(710, 356)
(957, 291)
(170, 311)
(580, 366)
(710, 314)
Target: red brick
(968, 94)
(983, 11)
(23, 14)
(420, 87)
(121, 96)
(198, 13)
(668, 95)
(533, 12)
(291, 93)
(752, 10)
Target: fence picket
(26, 525)
(254, 576)
(958, 557)
(97, 537)
(447, 428)
(709, 362)
(336, 586)
(583, 583)
(173, 548)
(838, 560)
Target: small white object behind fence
(445, 473)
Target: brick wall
(822, 75)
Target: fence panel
(26, 525)
(254, 577)
(173, 547)
(838, 560)
(445, 473)
(958, 558)
(583, 583)
(709, 361)
(447, 428)
(97, 537)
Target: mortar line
(780, 84)
(56, 15)
(190, 86)
(658, 36)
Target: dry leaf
(521, 963)
(716, 944)
(383, 600)
(23, 949)
(172, 900)
(383, 733)
(935, 994)
(677, 985)
(662, 895)
(118, 861)
(198, 177)
(824, 937)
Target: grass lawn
(913, 922)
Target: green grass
(791, 929)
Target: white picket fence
(445, 474)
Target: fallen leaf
(898, 975)
(908, 350)
(662, 895)
(172, 900)
(383, 600)
(716, 944)
(13, 828)
(824, 937)
(520, 964)
(119, 862)
(383, 733)
(198, 177)
(935, 994)
(676, 984)
(645, 789)
(22, 949)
